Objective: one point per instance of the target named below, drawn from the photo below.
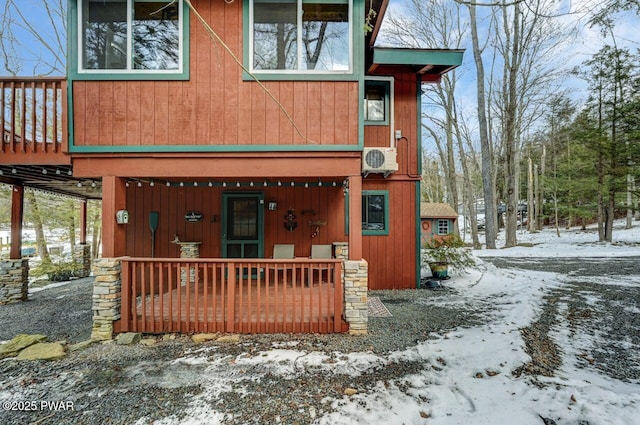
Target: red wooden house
(276, 123)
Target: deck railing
(231, 295)
(34, 115)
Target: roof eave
(431, 64)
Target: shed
(436, 219)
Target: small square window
(376, 103)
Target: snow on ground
(468, 377)
(572, 242)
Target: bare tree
(486, 149)
(438, 24)
(45, 55)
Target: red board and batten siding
(324, 203)
(392, 258)
(215, 106)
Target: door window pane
(243, 219)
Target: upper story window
(301, 36)
(130, 36)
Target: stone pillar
(107, 297)
(341, 250)
(188, 250)
(356, 311)
(14, 281)
(82, 256)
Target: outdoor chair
(319, 252)
(282, 252)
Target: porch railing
(231, 295)
(34, 115)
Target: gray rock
(42, 351)
(198, 338)
(18, 343)
(81, 345)
(128, 338)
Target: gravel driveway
(61, 313)
(597, 308)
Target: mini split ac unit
(379, 160)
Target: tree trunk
(530, 189)
(491, 231)
(36, 220)
(510, 136)
(71, 225)
(601, 205)
(95, 234)
(540, 202)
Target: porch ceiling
(56, 179)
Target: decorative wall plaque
(193, 216)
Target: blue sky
(30, 48)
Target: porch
(226, 295)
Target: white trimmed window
(310, 36)
(130, 36)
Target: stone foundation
(82, 256)
(106, 297)
(355, 278)
(14, 281)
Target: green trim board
(418, 236)
(73, 72)
(418, 199)
(376, 232)
(208, 148)
(417, 57)
(385, 231)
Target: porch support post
(82, 251)
(83, 221)
(17, 213)
(114, 198)
(355, 217)
(14, 273)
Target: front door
(242, 225)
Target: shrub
(448, 250)
(56, 272)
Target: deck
(34, 121)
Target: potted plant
(442, 252)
